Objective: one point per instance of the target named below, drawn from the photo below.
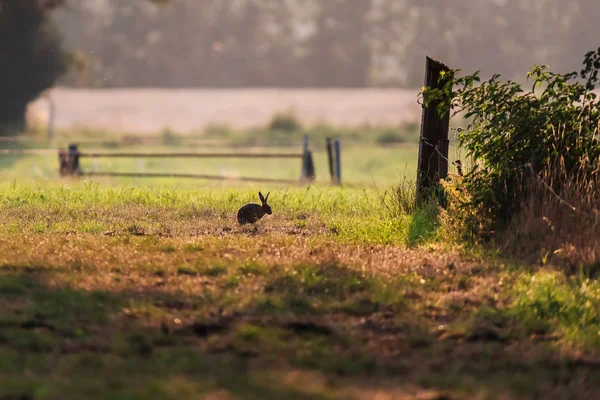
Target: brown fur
(252, 212)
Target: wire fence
(527, 166)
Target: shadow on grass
(423, 226)
(57, 342)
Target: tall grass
(561, 224)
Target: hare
(252, 212)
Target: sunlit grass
(347, 214)
(361, 165)
(149, 291)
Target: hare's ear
(267, 198)
(261, 197)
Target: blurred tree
(323, 43)
(339, 52)
(31, 57)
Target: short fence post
(329, 147)
(433, 129)
(443, 146)
(459, 167)
(63, 163)
(308, 165)
(74, 159)
(338, 162)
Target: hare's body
(252, 212)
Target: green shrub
(170, 138)
(513, 135)
(390, 137)
(285, 122)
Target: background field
(378, 131)
(191, 110)
(144, 288)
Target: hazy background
(295, 44)
(319, 43)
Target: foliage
(285, 122)
(516, 137)
(315, 43)
(391, 137)
(30, 48)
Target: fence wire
(528, 166)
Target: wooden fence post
(338, 162)
(74, 159)
(433, 129)
(329, 147)
(63, 163)
(308, 165)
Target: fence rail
(190, 155)
(192, 176)
(27, 152)
(69, 164)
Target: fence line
(192, 176)
(69, 164)
(27, 152)
(528, 166)
(190, 155)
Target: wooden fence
(69, 163)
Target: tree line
(291, 43)
(316, 43)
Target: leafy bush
(170, 138)
(390, 137)
(515, 137)
(285, 122)
(32, 55)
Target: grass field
(361, 166)
(149, 289)
(371, 156)
(129, 292)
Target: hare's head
(266, 208)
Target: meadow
(149, 289)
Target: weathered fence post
(308, 165)
(74, 159)
(459, 169)
(433, 129)
(338, 162)
(329, 147)
(63, 163)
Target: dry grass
(561, 226)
